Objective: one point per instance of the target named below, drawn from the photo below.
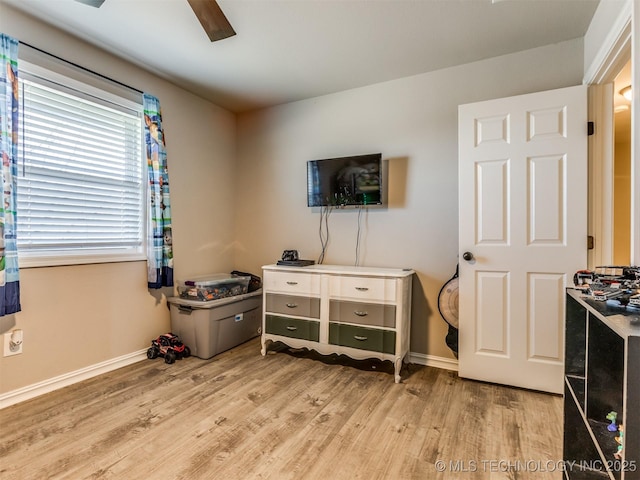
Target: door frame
(619, 46)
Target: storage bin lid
(196, 304)
(214, 279)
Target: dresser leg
(263, 350)
(398, 365)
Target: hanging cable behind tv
(358, 235)
(323, 231)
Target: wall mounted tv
(345, 181)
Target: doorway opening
(614, 184)
(622, 198)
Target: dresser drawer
(363, 288)
(296, 283)
(292, 305)
(372, 339)
(374, 314)
(293, 327)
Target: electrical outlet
(13, 342)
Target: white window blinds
(79, 174)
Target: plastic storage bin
(213, 287)
(209, 328)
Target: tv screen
(345, 181)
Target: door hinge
(590, 242)
(591, 128)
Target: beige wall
(78, 316)
(240, 209)
(413, 122)
(603, 32)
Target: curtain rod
(82, 68)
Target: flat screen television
(345, 181)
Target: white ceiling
(287, 50)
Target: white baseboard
(51, 384)
(433, 361)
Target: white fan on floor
(448, 307)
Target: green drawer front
(383, 341)
(293, 327)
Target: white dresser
(362, 312)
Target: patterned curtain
(159, 237)
(9, 279)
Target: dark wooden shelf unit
(602, 374)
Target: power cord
(360, 209)
(324, 235)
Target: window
(80, 189)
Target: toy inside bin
(213, 287)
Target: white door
(523, 219)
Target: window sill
(67, 260)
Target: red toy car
(168, 346)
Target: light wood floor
(285, 416)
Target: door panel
(492, 320)
(546, 294)
(522, 200)
(492, 201)
(546, 199)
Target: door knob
(468, 256)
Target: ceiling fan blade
(213, 21)
(92, 3)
